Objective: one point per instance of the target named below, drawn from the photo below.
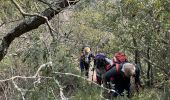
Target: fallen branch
(61, 90)
(70, 74)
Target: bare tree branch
(42, 66)
(35, 14)
(30, 24)
(2, 24)
(61, 90)
(48, 4)
(70, 74)
(38, 77)
(23, 91)
(167, 72)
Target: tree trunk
(149, 71)
(30, 24)
(137, 54)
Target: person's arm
(109, 61)
(137, 78)
(92, 55)
(81, 56)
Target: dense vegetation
(140, 28)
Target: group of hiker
(117, 71)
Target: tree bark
(137, 54)
(30, 24)
(149, 71)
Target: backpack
(120, 57)
(118, 71)
(100, 56)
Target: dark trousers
(120, 88)
(84, 66)
(87, 66)
(81, 66)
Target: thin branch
(158, 66)
(35, 14)
(42, 66)
(44, 2)
(2, 24)
(30, 24)
(22, 77)
(53, 93)
(61, 90)
(70, 74)
(48, 4)
(36, 76)
(30, 77)
(52, 5)
(23, 91)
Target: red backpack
(120, 57)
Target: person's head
(129, 69)
(100, 60)
(119, 57)
(87, 50)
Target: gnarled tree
(32, 23)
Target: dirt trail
(92, 75)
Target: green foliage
(5, 63)
(87, 91)
(105, 26)
(152, 94)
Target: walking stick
(92, 74)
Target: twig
(2, 24)
(44, 2)
(22, 77)
(61, 90)
(50, 5)
(23, 91)
(42, 66)
(53, 93)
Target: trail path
(92, 75)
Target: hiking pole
(93, 68)
(92, 73)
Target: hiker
(81, 60)
(119, 58)
(120, 76)
(85, 59)
(102, 64)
